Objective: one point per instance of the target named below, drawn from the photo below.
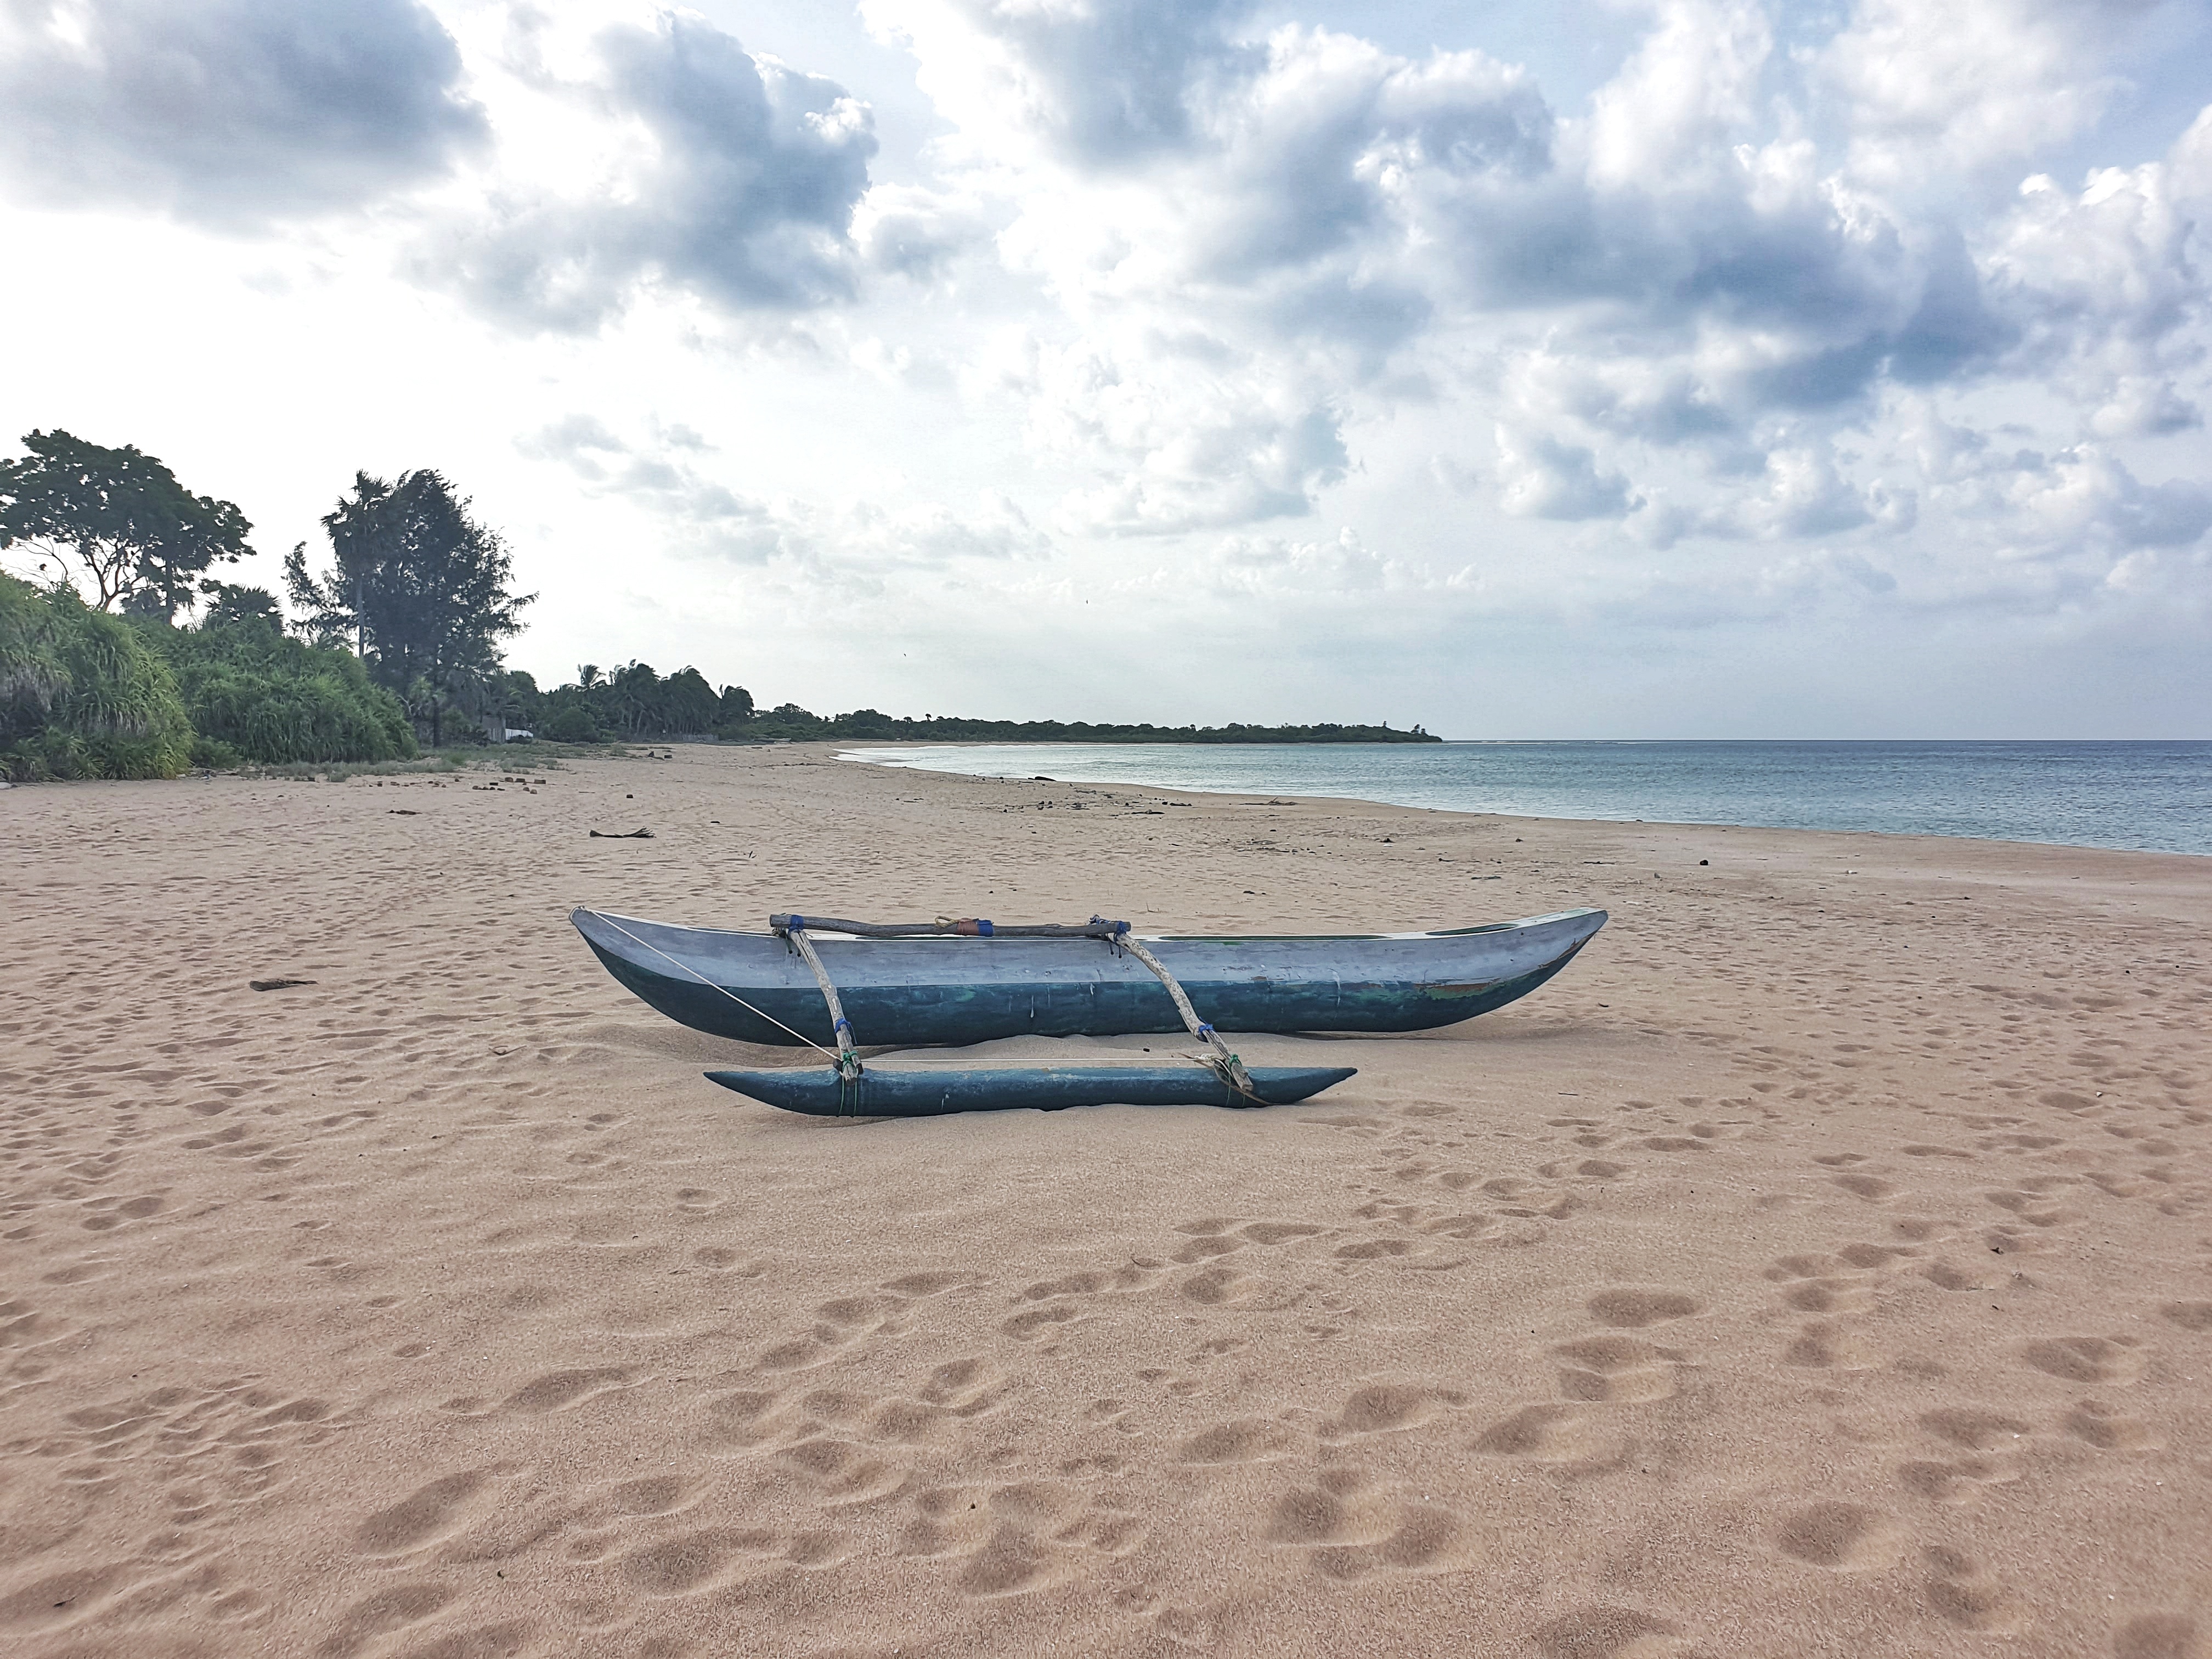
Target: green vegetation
(795, 723)
(85, 694)
(253, 693)
(635, 702)
(419, 587)
(81, 694)
(142, 539)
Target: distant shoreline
(2145, 797)
(866, 726)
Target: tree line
(633, 701)
(123, 653)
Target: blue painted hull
(909, 992)
(882, 1091)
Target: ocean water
(2155, 797)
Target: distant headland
(867, 723)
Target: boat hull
(879, 1091)
(754, 987)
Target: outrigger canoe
(910, 993)
(926, 1091)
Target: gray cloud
(228, 113)
(1545, 478)
(1108, 85)
(747, 199)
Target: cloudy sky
(1588, 368)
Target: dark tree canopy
(228, 602)
(142, 539)
(420, 588)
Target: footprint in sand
(1615, 1370)
(1386, 1408)
(1959, 1481)
(1018, 1537)
(1550, 1434)
(1222, 1285)
(741, 1418)
(966, 1387)
(560, 1391)
(2108, 1428)
(917, 1286)
(1841, 1537)
(839, 1470)
(1627, 1308)
(652, 1494)
(1867, 1258)
(2114, 1361)
(1976, 1429)
(1462, 1227)
(1349, 1531)
(1832, 1284)
(382, 1613)
(2158, 1636)
(701, 1560)
(1961, 1591)
(428, 1514)
(61, 1598)
(1135, 1275)
(2034, 1208)
(1950, 1276)
(1241, 1440)
(1826, 1345)
(1278, 1232)
(1604, 1631)
(1041, 1323)
(839, 1324)
(1525, 1200)
(1828, 1295)
(1873, 1188)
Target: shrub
(216, 755)
(572, 725)
(261, 696)
(81, 693)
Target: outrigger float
(814, 981)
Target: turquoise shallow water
(2141, 797)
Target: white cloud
(696, 515)
(1935, 95)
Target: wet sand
(1821, 1265)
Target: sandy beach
(1821, 1265)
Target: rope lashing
(848, 1063)
(1227, 1065)
(795, 928)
